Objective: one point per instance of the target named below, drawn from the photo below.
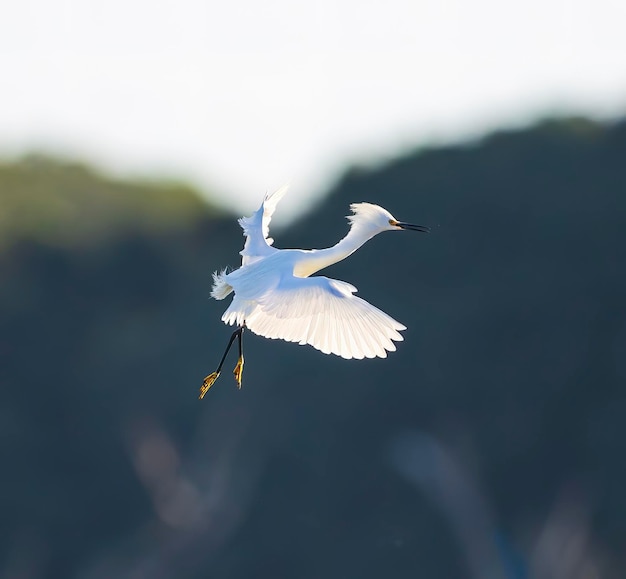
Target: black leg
(236, 333)
(239, 367)
(211, 378)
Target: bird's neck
(318, 259)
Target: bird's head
(378, 219)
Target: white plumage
(274, 296)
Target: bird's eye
(393, 222)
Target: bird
(276, 295)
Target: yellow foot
(207, 383)
(238, 371)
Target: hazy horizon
(239, 99)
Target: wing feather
(256, 228)
(319, 311)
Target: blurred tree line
(491, 444)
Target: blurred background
(490, 445)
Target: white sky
(243, 96)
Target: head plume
(370, 215)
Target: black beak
(411, 227)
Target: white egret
(276, 298)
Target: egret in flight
(275, 297)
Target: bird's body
(275, 297)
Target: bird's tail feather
(221, 288)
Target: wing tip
(275, 196)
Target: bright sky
(242, 96)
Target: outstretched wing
(319, 311)
(256, 228)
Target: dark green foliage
(514, 362)
(70, 205)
